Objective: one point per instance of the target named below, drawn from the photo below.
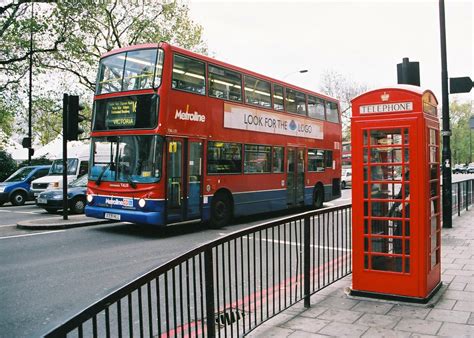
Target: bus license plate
(112, 216)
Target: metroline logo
(126, 202)
(186, 116)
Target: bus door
(184, 172)
(295, 176)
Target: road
(48, 276)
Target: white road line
(7, 225)
(313, 246)
(35, 234)
(23, 212)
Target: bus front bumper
(123, 215)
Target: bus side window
(225, 84)
(189, 75)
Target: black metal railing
(232, 285)
(463, 195)
(227, 287)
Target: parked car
(460, 169)
(52, 200)
(54, 180)
(346, 178)
(17, 188)
(470, 168)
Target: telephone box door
(386, 247)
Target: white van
(54, 180)
(346, 178)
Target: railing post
(306, 260)
(210, 307)
(459, 198)
(467, 195)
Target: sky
(362, 40)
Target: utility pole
(446, 132)
(30, 103)
(65, 138)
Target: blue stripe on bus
(152, 213)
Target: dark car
(52, 200)
(16, 188)
(460, 169)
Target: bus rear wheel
(221, 211)
(318, 197)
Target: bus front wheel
(221, 211)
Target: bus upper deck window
(257, 92)
(188, 75)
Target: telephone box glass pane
(386, 155)
(386, 137)
(387, 263)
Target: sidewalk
(57, 222)
(450, 313)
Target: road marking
(7, 225)
(35, 234)
(312, 245)
(23, 212)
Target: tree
(69, 37)
(36, 161)
(6, 119)
(7, 165)
(460, 114)
(336, 85)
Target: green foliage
(7, 165)
(460, 114)
(6, 119)
(69, 37)
(36, 161)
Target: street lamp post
(30, 103)
(298, 71)
(446, 132)
(471, 127)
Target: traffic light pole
(446, 132)
(65, 137)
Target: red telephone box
(396, 194)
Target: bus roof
(167, 46)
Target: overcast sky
(362, 40)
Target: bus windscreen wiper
(131, 182)
(99, 179)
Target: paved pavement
(449, 314)
(58, 222)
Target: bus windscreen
(132, 70)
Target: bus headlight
(89, 198)
(141, 203)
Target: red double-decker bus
(177, 136)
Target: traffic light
(26, 142)
(74, 118)
(408, 72)
(460, 85)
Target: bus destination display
(121, 113)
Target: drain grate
(229, 316)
